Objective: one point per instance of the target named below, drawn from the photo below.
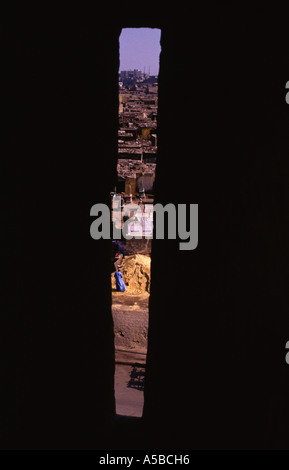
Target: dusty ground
(130, 308)
(128, 385)
(130, 317)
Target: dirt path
(129, 390)
(130, 317)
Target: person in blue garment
(120, 286)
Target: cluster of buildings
(135, 176)
(137, 134)
(133, 77)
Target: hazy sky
(139, 48)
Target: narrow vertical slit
(132, 212)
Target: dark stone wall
(216, 374)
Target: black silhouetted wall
(216, 374)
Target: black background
(216, 375)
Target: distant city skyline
(139, 48)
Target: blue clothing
(120, 286)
